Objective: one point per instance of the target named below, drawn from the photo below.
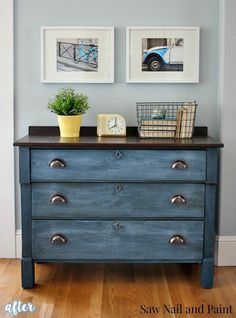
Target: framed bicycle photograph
(77, 54)
(159, 54)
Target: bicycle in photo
(89, 56)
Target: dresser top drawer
(110, 165)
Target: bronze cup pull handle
(58, 239)
(57, 163)
(58, 199)
(177, 240)
(179, 164)
(178, 199)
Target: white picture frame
(186, 70)
(86, 54)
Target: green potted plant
(69, 107)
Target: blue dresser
(117, 200)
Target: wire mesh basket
(166, 119)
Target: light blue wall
(227, 118)
(31, 96)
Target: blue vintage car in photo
(160, 57)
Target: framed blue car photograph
(162, 54)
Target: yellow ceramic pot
(69, 125)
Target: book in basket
(186, 122)
(157, 133)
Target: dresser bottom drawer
(117, 240)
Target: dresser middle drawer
(104, 200)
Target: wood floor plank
(116, 290)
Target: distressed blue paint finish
(25, 202)
(26, 220)
(111, 165)
(207, 271)
(105, 239)
(212, 165)
(24, 155)
(27, 272)
(27, 264)
(101, 200)
(210, 230)
(120, 204)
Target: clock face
(116, 125)
(111, 125)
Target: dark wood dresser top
(43, 137)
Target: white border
(108, 28)
(18, 243)
(225, 251)
(194, 79)
(7, 195)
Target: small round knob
(58, 239)
(58, 199)
(179, 164)
(178, 199)
(177, 240)
(56, 163)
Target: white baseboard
(18, 243)
(225, 249)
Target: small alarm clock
(111, 125)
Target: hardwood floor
(119, 291)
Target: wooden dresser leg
(27, 273)
(207, 273)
